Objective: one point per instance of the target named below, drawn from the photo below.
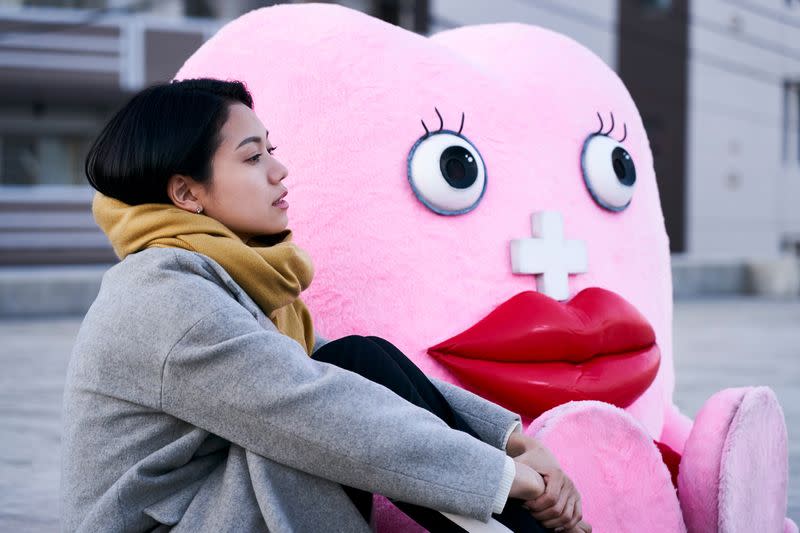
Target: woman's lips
(533, 353)
(281, 201)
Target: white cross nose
(548, 255)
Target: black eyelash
(441, 120)
(441, 123)
(256, 157)
(606, 133)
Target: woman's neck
(265, 240)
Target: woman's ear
(181, 190)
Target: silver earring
(199, 209)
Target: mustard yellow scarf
(271, 269)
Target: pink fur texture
(608, 447)
(345, 95)
(739, 442)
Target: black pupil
(623, 166)
(458, 167)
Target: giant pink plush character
(485, 199)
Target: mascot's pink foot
(623, 482)
(734, 469)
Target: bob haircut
(166, 129)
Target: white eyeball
(446, 173)
(608, 171)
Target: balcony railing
(50, 225)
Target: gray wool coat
(185, 407)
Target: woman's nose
(277, 172)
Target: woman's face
(245, 178)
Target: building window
(199, 8)
(43, 159)
(791, 122)
(656, 5)
(408, 14)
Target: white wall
(741, 198)
(593, 24)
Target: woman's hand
(581, 527)
(559, 507)
(527, 484)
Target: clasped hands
(546, 490)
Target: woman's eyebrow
(252, 139)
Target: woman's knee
(354, 352)
(339, 345)
(349, 345)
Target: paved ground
(718, 344)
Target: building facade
(743, 161)
(63, 72)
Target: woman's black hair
(166, 129)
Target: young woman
(199, 396)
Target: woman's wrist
(517, 443)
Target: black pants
(380, 361)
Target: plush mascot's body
(485, 199)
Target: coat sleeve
(258, 388)
(490, 421)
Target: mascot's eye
(608, 171)
(446, 173)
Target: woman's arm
(490, 421)
(259, 389)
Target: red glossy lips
(533, 353)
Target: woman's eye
(255, 158)
(271, 149)
(446, 173)
(608, 171)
